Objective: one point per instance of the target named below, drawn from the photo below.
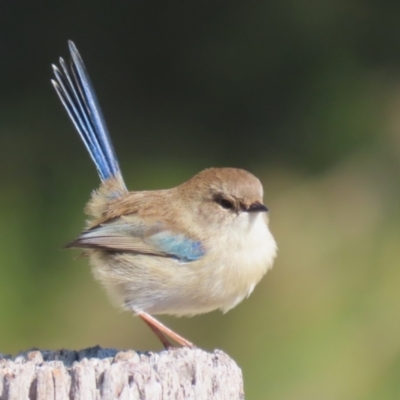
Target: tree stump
(108, 374)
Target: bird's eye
(225, 203)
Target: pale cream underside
(237, 257)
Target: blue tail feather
(76, 92)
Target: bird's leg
(166, 343)
(161, 331)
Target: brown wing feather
(115, 243)
(102, 209)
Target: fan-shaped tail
(76, 92)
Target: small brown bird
(197, 247)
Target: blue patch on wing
(177, 245)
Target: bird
(191, 249)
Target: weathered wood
(107, 374)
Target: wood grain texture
(107, 374)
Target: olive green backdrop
(306, 95)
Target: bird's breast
(241, 256)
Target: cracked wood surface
(97, 373)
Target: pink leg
(161, 331)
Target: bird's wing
(134, 236)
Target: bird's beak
(257, 207)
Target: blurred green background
(306, 95)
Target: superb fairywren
(197, 247)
